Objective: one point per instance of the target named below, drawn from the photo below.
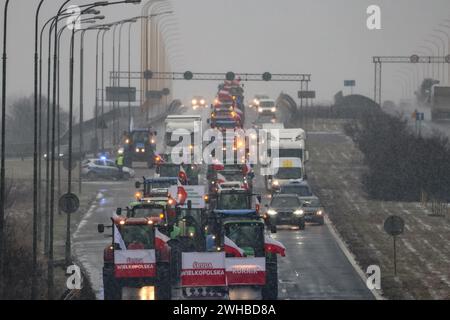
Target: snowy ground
(423, 251)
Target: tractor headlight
(271, 212)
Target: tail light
(108, 254)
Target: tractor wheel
(163, 287)
(270, 290)
(111, 288)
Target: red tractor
(139, 256)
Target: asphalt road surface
(314, 267)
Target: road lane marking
(376, 293)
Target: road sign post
(394, 226)
(351, 84)
(68, 203)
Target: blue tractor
(140, 146)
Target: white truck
(440, 103)
(182, 127)
(284, 171)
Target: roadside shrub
(400, 164)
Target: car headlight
(275, 183)
(260, 110)
(299, 212)
(273, 109)
(138, 150)
(319, 213)
(194, 102)
(202, 102)
(153, 141)
(271, 212)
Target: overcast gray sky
(327, 38)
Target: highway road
(315, 267)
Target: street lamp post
(81, 136)
(438, 54)
(35, 157)
(3, 134)
(443, 54)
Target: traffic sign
(414, 58)
(267, 76)
(69, 203)
(394, 226)
(152, 94)
(349, 83)
(148, 74)
(306, 94)
(188, 75)
(121, 94)
(230, 76)
(165, 91)
(420, 116)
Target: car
(256, 99)
(285, 209)
(267, 106)
(313, 210)
(301, 189)
(198, 102)
(102, 168)
(264, 119)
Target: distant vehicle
(440, 103)
(285, 171)
(267, 106)
(104, 169)
(140, 145)
(154, 187)
(190, 124)
(285, 209)
(198, 102)
(313, 210)
(264, 119)
(301, 189)
(256, 100)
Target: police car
(103, 168)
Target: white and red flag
(247, 169)
(118, 239)
(181, 194)
(232, 248)
(221, 179)
(217, 165)
(160, 240)
(273, 246)
(182, 175)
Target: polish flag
(257, 204)
(182, 175)
(118, 239)
(246, 169)
(218, 166)
(274, 246)
(221, 178)
(160, 240)
(181, 194)
(232, 248)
